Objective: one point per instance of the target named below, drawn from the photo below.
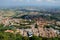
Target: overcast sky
(29, 2)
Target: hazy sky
(29, 2)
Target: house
(10, 31)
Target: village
(38, 27)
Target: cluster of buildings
(9, 21)
(47, 31)
(39, 31)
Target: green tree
(56, 38)
(36, 26)
(18, 37)
(25, 38)
(35, 38)
(10, 36)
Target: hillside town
(39, 27)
